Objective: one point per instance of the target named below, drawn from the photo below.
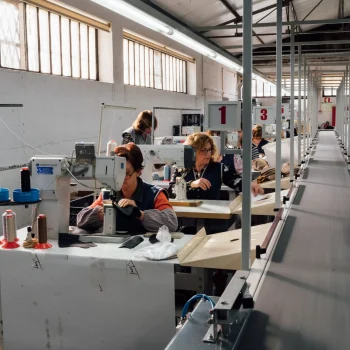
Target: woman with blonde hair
(141, 130)
(204, 180)
(258, 140)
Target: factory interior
(174, 174)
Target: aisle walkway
(304, 302)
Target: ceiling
(203, 13)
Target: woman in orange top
(141, 206)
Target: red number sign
(263, 114)
(282, 110)
(223, 114)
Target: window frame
(23, 27)
(166, 61)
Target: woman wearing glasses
(141, 207)
(204, 180)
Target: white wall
(59, 111)
(326, 114)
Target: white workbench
(208, 209)
(97, 298)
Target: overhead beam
(313, 9)
(240, 35)
(256, 12)
(273, 24)
(237, 16)
(301, 43)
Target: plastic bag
(163, 234)
(158, 251)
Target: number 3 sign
(264, 115)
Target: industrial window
(35, 36)
(329, 92)
(149, 64)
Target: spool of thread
(4, 228)
(11, 232)
(111, 145)
(42, 233)
(25, 180)
(167, 172)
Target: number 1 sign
(223, 115)
(264, 115)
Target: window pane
(253, 88)
(142, 65)
(163, 72)
(9, 35)
(44, 41)
(181, 77)
(273, 91)
(66, 61)
(151, 69)
(126, 60)
(260, 88)
(32, 38)
(184, 78)
(131, 64)
(84, 51)
(167, 73)
(92, 53)
(55, 44)
(75, 44)
(158, 70)
(327, 91)
(137, 64)
(174, 73)
(267, 91)
(147, 66)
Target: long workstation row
(91, 277)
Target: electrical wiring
(195, 297)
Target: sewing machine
(53, 174)
(180, 155)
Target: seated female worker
(141, 207)
(258, 140)
(204, 180)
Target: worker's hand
(204, 184)
(126, 203)
(257, 189)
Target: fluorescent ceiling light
(133, 13)
(192, 44)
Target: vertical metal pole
(278, 104)
(345, 109)
(247, 132)
(309, 101)
(292, 66)
(299, 105)
(305, 95)
(348, 150)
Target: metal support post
(309, 101)
(247, 132)
(278, 104)
(292, 67)
(305, 96)
(349, 112)
(299, 105)
(345, 108)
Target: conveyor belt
(304, 301)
